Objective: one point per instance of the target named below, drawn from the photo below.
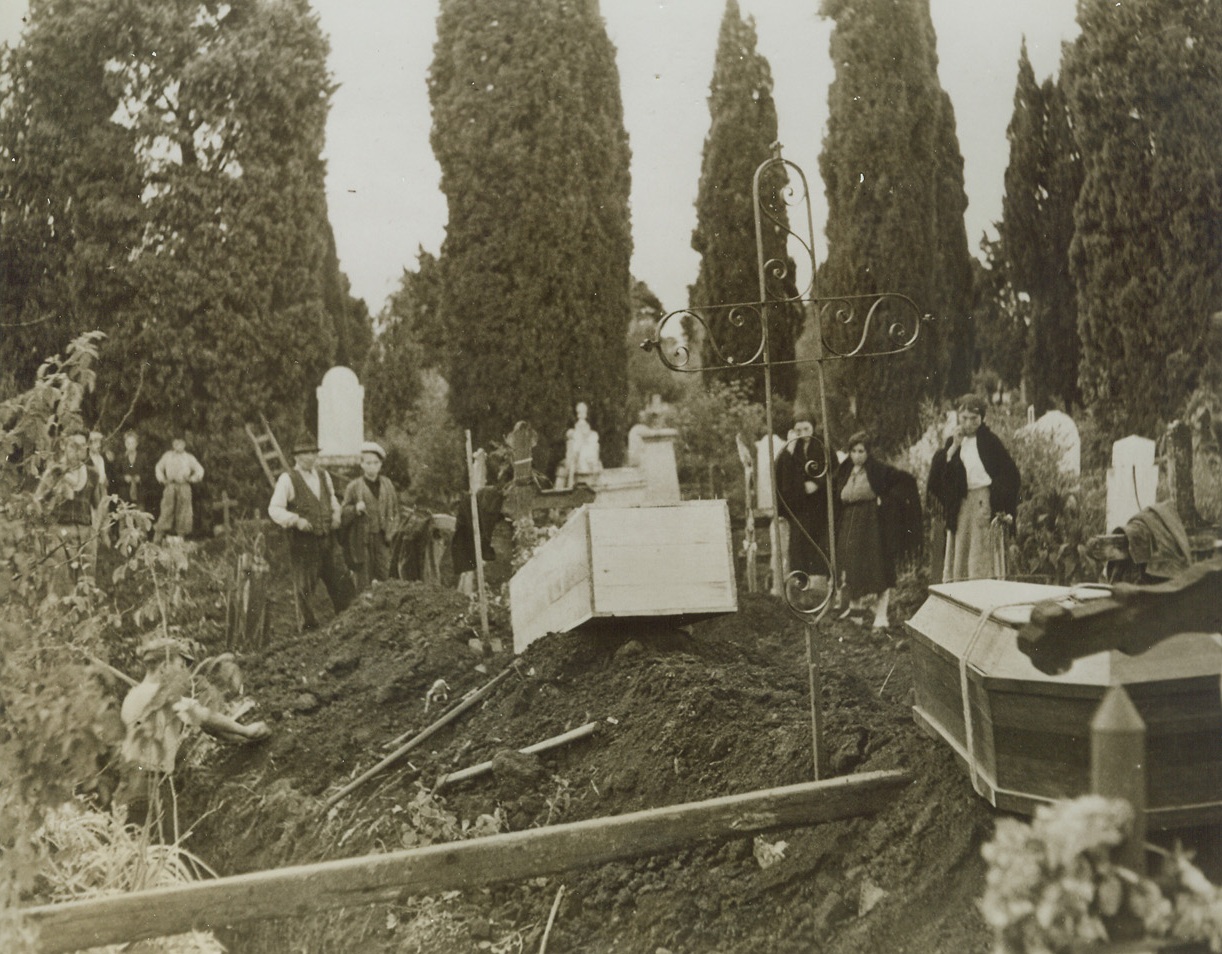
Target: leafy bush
(59, 722)
(1058, 512)
(425, 454)
(707, 421)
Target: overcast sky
(382, 183)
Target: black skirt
(859, 550)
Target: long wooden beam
(306, 889)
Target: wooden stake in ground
(551, 919)
(441, 723)
(479, 552)
(462, 865)
(553, 743)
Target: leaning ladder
(268, 450)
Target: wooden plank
(678, 562)
(480, 768)
(672, 600)
(696, 521)
(936, 679)
(552, 592)
(982, 728)
(307, 889)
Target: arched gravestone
(1060, 428)
(1132, 480)
(341, 413)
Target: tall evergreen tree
(1143, 91)
(952, 294)
(1000, 316)
(163, 182)
(741, 134)
(407, 342)
(1043, 178)
(528, 130)
(894, 178)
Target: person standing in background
(305, 505)
(802, 476)
(975, 481)
(69, 492)
(176, 471)
(370, 514)
(130, 472)
(879, 525)
(98, 461)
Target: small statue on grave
(581, 454)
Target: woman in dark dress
(879, 525)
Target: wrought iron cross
(865, 326)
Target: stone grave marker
(341, 414)
(1132, 480)
(1061, 429)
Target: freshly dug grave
(683, 715)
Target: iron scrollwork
(846, 326)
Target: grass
(91, 854)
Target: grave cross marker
(524, 496)
(847, 326)
(225, 505)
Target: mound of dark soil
(336, 694)
(683, 715)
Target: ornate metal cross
(873, 326)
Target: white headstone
(1132, 480)
(1061, 429)
(341, 413)
(763, 472)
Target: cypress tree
(528, 131)
(404, 345)
(1042, 182)
(69, 186)
(741, 134)
(178, 146)
(1142, 85)
(893, 174)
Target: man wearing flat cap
(305, 505)
(975, 481)
(370, 514)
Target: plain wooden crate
(627, 562)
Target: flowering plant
(1052, 886)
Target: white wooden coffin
(673, 561)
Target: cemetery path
(719, 710)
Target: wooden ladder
(268, 450)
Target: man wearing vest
(305, 505)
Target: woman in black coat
(802, 477)
(975, 481)
(879, 526)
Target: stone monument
(1132, 480)
(1060, 428)
(582, 460)
(341, 414)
